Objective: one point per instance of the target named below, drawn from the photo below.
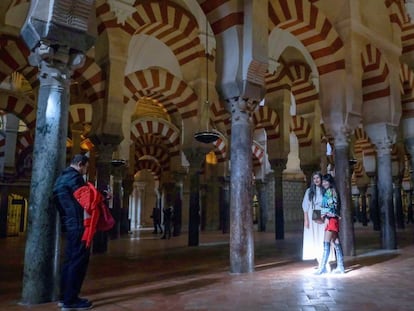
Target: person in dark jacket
(76, 255)
(156, 219)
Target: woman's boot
(340, 269)
(322, 264)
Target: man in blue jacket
(76, 256)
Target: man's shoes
(61, 303)
(81, 304)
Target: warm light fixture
(206, 136)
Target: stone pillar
(135, 205)
(56, 63)
(178, 202)
(225, 204)
(343, 184)
(398, 201)
(127, 186)
(103, 183)
(383, 136)
(363, 194)
(118, 171)
(278, 165)
(241, 218)
(270, 202)
(195, 157)
(385, 196)
(49, 158)
(261, 196)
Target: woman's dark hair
(312, 188)
(330, 179)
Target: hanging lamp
(206, 136)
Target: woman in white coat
(313, 233)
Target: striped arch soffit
(266, 118)
(92, 80)
(151, 146)
(167, 132)
(164, 20)
(302, 130)
(150, 165)
(407, 91)
(295, 77)
(398, 16)
(172, 92)
(362, 146)
(257, 155)
(24, 141)
(80, 113)
(303, 20)
(22, 106)
(13, 57)
(375, 82)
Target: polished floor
(144, 272)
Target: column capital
(278, 165)
(383, 136)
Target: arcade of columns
(132, 89)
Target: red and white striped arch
(375, 82)
(157, 151)
(24, 141)
(167, 132)
(303, 90)
(362, 143)
(13, 57)
(407, 91)
(266, 118)
(80, 113)
(302, 130)
(92, 80)
(257, 154)
(150, 165)
(172, 92)
(164, 20)
(222, 15)
(313, 29)
(23, 107)
(220, 149)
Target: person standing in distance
(76, 254)
(313, 232)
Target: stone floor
(143, 272)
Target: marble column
(127, 186)
(241, 218)
(363, 211)
(103, 182)
(118, 171)
(261, 196)
(343, 184)
(178, 202)
(49, 158)
(278, 166)
(225, 204)
(270, 202)
(399, 213)
(195, 157)
(374, 213)
(385, 196)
